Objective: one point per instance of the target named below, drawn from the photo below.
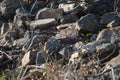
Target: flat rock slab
(49, 13)
(43, 23)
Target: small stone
(42, 23)
(67, 51)
(29, 58)
(64, 26)
(67, 7)
(70, 18)
(68, 35)
(52, 45)
(49, 13)
(40, 58)
(20, 42)
(87, 23)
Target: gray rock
(68, 35)
(70, 18)
(20, 42)
(36, 42)
(87, 23)
(40, 58)
(52, 45)
(6, 27)
(66, 52)
(109, 17)
(30, 34)
(78, 46)
(91, 47)
(107, 33)
(8, 7)
(115, 38)
(49, 13)
(42, 23)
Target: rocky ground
(59, 39)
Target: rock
(106, 52)
(8, 7)
(67, 51)
(70, 18)
(64, 26)
(67, 7)
(6, 27)
(78, 46)
(36, 42)
(115, 61)
(104, 47)
(74, 58)
(9, 37)
(68, 35)
(91, 47)
(52, 45)
(115, 38)
(30, 34)
(40, 58)
(42, 24)
(87, 23)
(28, 58)
(49, 13)
(109, 17)
(20, 42)
(107, 33)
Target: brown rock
(107, 33)
(68, 35)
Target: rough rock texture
(107, 33)
(87, 23)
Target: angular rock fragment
(40, 58)
(107, 33)
(67, 7)
(115, 61)
(70, 18)
(91, 47)
(42, 24)
(35, 43)
(8, 7)
(107, 18)
(49, 13)
(29, 58)
(52, 45)
(87, 23)
(68, 35)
